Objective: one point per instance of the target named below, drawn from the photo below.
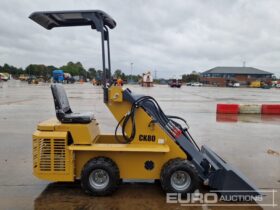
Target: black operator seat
(62, 107)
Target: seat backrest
(60, 99)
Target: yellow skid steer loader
(151, 145)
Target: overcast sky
(171, 37)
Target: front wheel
(100, 176)
(179, 176)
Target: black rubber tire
(174, 165)
(107, 165)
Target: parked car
(175, 83)
(266, 86)
(237, 84)
(4, 76)
(32, 80)
(233, 84)
(196, 84)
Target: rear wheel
(100, 176)
(179, 176)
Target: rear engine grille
(49, 154)
(45, 154)
(52, 160)
(59, 154)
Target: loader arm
(212, 169)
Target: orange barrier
(227, 108)
(271, 109)
(248, 118)
(248, 109)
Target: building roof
(235, 70)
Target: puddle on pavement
(128, 196)
(248, 118)
(76, 92)
(76, 97)
(273, 152)
(15, 102)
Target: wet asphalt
(249, 142)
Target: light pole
(131, 68)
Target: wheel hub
(180, 180)
(99, 179)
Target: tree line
(77, 69)
(41, 70)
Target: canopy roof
(93, 18)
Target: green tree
(11, 70)
(75, 69)
(117, 74)
(190, 78)
(37, 70)
(92, 73)
(99, 75)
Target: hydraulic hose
(171, 126)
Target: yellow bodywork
(52, 160)
(60, 150)
(255, 84)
